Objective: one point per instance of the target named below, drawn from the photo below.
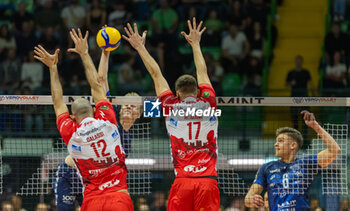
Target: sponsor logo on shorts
(109, 184)
(195, 169)
(68, 199)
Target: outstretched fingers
(135, 29)
(194, 23)
(127, 31)
(130, 29)
(189, 25)
(86, 35)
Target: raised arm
(325, 157)
(138, 43)
(194, 38)
(103, 70)
(253, 197)
(81, 48)
(50, 60)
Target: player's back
(96, 149)
(193, 133)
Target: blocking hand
(48, 59)
(194, 36)
(81, 44)
(134, 38)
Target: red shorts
(108, 202)
(192, 194)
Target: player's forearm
(90, 72)
(328, 140)
(103, 70)
(199, 61)
(149, 62)
(56, 87)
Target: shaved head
(81, 108)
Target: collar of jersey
(83, 120)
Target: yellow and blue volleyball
(108, 38)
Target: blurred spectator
(48, 16)
(339, 9)
(299, 79)
(158, 202)
(73, 15)
(141, 9)
(314, 204)
(127, 77)
(49, 40)
(10, 72)
(26, 39)
(185, 5)
(31, 72)
(344, 205)
(165, 23)
(253, 71)
(118, 16)
(21, 16)
(335, 41)
(235, 47)
(258, 11)
(96, 17)
(256, 41)
(17, 203)
(32, 116)
(141, 204)
(215, 72)
(335, 76)
(7, 40)
(212, 36)
(7, 206)
(42, 207)
(235, 13)
(236, 205)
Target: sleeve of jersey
(167, 99)
(208, 94)
(105, 111)
(260, 177)
(66, 126)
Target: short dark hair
(186, 84)
(293, 133)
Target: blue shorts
(66, 199)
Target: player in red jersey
(193, 137)
(92, 137)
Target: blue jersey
(288, 184)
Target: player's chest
(286, 176)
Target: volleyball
(108, 38)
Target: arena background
(272, 34)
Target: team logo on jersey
(104, 107)
(115, 134)
(173, 122)
(206, 94)
(76, 148)
(151, 108)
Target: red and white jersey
(96, 149)
(193, 138)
